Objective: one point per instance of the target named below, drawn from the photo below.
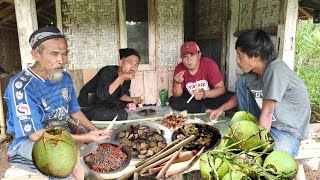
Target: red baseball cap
(189, 47)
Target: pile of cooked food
(142, 141)
(106, 158)
(173, 121)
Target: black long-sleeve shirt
(95, 93)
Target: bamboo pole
(160, 156)
(2, 120)
(126, 121)
(161, 151)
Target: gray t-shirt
(280, 83)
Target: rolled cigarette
(197, 86)
(190, 98)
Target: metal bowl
(167, 134)
(204, 129)
(90, 148)
(146, 112)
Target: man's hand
(92, 136)
(128, 76)
(214, 115)
(97, 135)
(36, 135)
(198, 95)
(136, 100)
(178, 78)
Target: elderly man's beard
(54, 75)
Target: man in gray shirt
(271, 91)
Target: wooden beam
(8, 18)
(286, 35)
(231, 54)
(26, 24)
(48, 15)
(59, 14)
(45, 6)
(42, 7)
(45, 17)
(7, 1)
(6, 10)
(2, 119)
(122, 23)
(8, 28)
(305, 12)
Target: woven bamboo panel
(258, 13)
(77, 77)
(9, 52)
(88, 74)
(209, 17)
(163, 78)
(170, 82)
(170, 31)
(91, 30)
(137, 86)
(150, 87)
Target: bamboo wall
(93, 36)
(92, 29)
(258, 14)
(9, 51)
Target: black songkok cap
(125, 52)
(43, 34)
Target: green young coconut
(235, 175)
(247, 132)
(243, 116)
(281, 163)
(225, 142)
(205, 167)
(55, 153)
(249, 158)
(267, 140)
(207, 163)
(252, 159)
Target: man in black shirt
(107, 93)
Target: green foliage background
(307, 62)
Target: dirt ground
(4, 165)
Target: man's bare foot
(208, 111)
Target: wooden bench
(309, 153)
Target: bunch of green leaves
(307, 44)
(308, 62)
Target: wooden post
(59, 15)
(26, 23)
(2, 120)
(287, 31)
(231, 54)
(122, 23)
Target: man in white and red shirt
(199, 77)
